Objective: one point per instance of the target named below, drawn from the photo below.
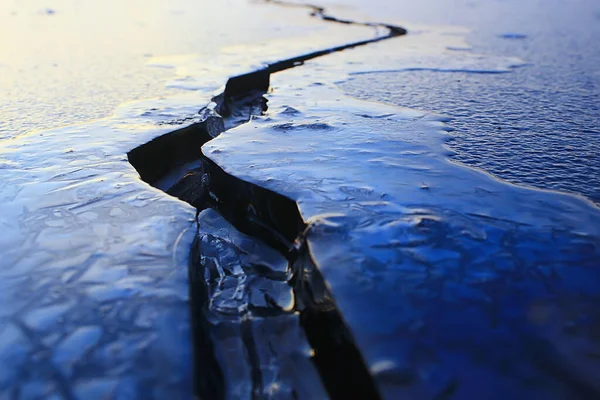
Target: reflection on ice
(258, 343)
(93, 284)
(450, 281)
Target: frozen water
(87, 245)
(537, 126)
(258, 341)
(535, 135)
(451, 282)
(447, 277)
(86, 59)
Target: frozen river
(344, 247)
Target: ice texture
(537, 126)
(94, 269)
(94, 266)
(258, 342)
(451, 281)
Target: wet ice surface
(94, 269)
(85, 59)
(538, 135)
(537, 126)
(452, 283)
(94, 286)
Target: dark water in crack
(245, 307)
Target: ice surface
(450, 280)
(86, 59)
(93, 284)
(538, 126)
(86, 250)
(527, 133)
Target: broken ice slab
(89, 255)
(252, 252)
(246, 307)
(451, 282)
